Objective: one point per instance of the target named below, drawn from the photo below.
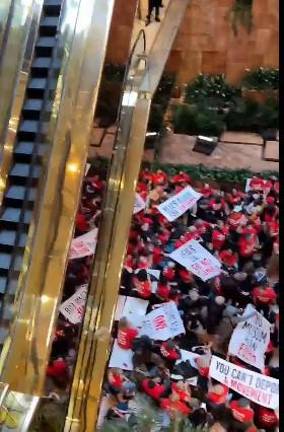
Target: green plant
(250, 116)
(261, 79)
(212, 90)
(241, 15)
(196, 120)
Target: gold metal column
(86, 25)
(95, 341)
(20, 34)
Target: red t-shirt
(267, 418)
(154, 392)
(263, 296)
(82, 223)
(163, 291)
(157, 255)
(170, 354)
(219, 399)
(116, 381)
(218, 239)
(125, 337)
(169, 273)
(179, 406)
(58, 368)
(246, 247)
(144, 289)
(185, 276)
(228, 258)
(183, 395)
(242, 414)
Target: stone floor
(177, 149)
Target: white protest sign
(121, 358)
(155, 273)
(259, 388)
(188, 355)
(88, 166)
(250, 338)
(139, 204)
(248, 187)
(177, 205)
(135, 310)
(197, 260)
(119, 307)
(163, 323)
(73, 308)
(84, 245)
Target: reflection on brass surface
(6, 10)
(113, 236)
(85, 29)
(14, 69)
(94, 349)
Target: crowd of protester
(241, 229)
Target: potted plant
(261, 84)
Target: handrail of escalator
(21, 225)
(14, 71)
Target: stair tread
(23, 170)
(33, 104)
(27, 147)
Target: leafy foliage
(213, 90)
(250, 116)
(241, 15)
(195, 120)
(262, 79)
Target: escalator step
(37, 83)
(27, 148)
(17, 193)
(49, 21)
(33, 105)
(4, 332)
(13, 215)
(30, 126)
(7, 237)
(5, 261)
(41, 62)
(46, 42)
(18, 262)
(23, 170)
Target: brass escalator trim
(42, 276)
(14, 72)
(95, 343)
(6, 11)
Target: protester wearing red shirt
(247, 245)
(82, 223)
(228, 257)
(263, 295)
(179, 389)
(153, 389)
(218, 238)
(163, 291)
(169, 272)
(175, 406)
(242, 413)
(126, 334)
(157, 255)
(142, 284)
(159, 178)
(170, 351)
(266, 419)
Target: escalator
(29, 149)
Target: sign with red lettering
(250, 338)
(74, 307)
(197, 260)
(178, 204)
(84, 245)
(163, 323)
(254, 386)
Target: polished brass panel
(14, 70)
(112, 242)
(95, 345)
(86, 25)
(6, 10)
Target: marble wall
(206, 42)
